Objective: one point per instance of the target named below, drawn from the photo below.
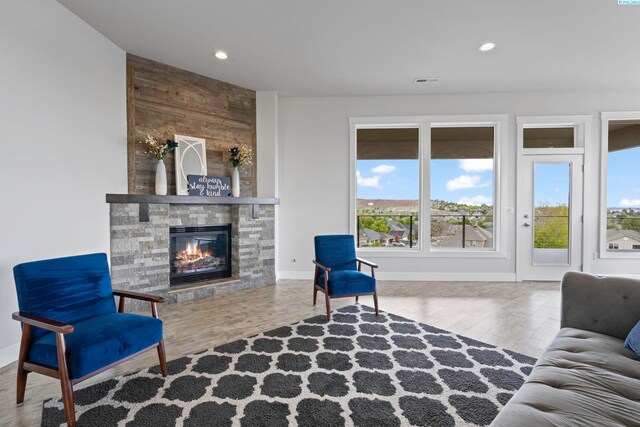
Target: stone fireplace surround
(140, 242)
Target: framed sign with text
(209, 186)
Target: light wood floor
(520, 316)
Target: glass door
(550, 217)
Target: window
(549, 137)
(462, 187)
(623, 191)
(551, 212)
(387, 187)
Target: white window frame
(424, 123)
(605, 117)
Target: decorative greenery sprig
(158, 149)
(240, 156)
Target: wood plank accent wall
(164, 101)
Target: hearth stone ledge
(205, 284)
(140, 249)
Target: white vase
(235, 183)
(161, 179)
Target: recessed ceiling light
(486, 47)
(221, 54)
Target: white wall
(314, 173)
(63, 115)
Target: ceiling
(365, 47)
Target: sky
(623, 180)
(551, 183)
(388, 179)
(470, 181)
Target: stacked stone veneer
(140, 250)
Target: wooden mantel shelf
(190, 200)
(144, 200)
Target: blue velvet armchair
(338, 271)
(70, 327)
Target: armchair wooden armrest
(365, 262)
(138, 296)
(325, 268)
(153, 299)
(43, 322)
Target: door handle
(526, 224)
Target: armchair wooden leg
(315, 294)
(327, 301)
(163, 358)
(356, 298)
(22, 356)
(375, 301)
(22, 385)
(65, 382)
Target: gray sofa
(586, 377)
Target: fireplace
(199, 253)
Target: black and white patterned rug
(357, 370)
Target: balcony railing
(397, 237)
(440, 235)
(464, 221)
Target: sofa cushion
(582, 378)
(98, 342)
(348, 282)
(633, 339)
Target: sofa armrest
(606, 305)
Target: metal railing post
(411, 231)
(464, 231)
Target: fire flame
(193, 252)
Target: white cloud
(476, 165)
(475, 200)
(384, 169)
(629, 203)
(373, 181)
(465, 181)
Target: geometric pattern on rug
(359, 369)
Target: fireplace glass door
(199, 253)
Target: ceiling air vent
(427, 80)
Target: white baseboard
(447, 277)
(295, 275)
(417, 277)
(9, 354)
